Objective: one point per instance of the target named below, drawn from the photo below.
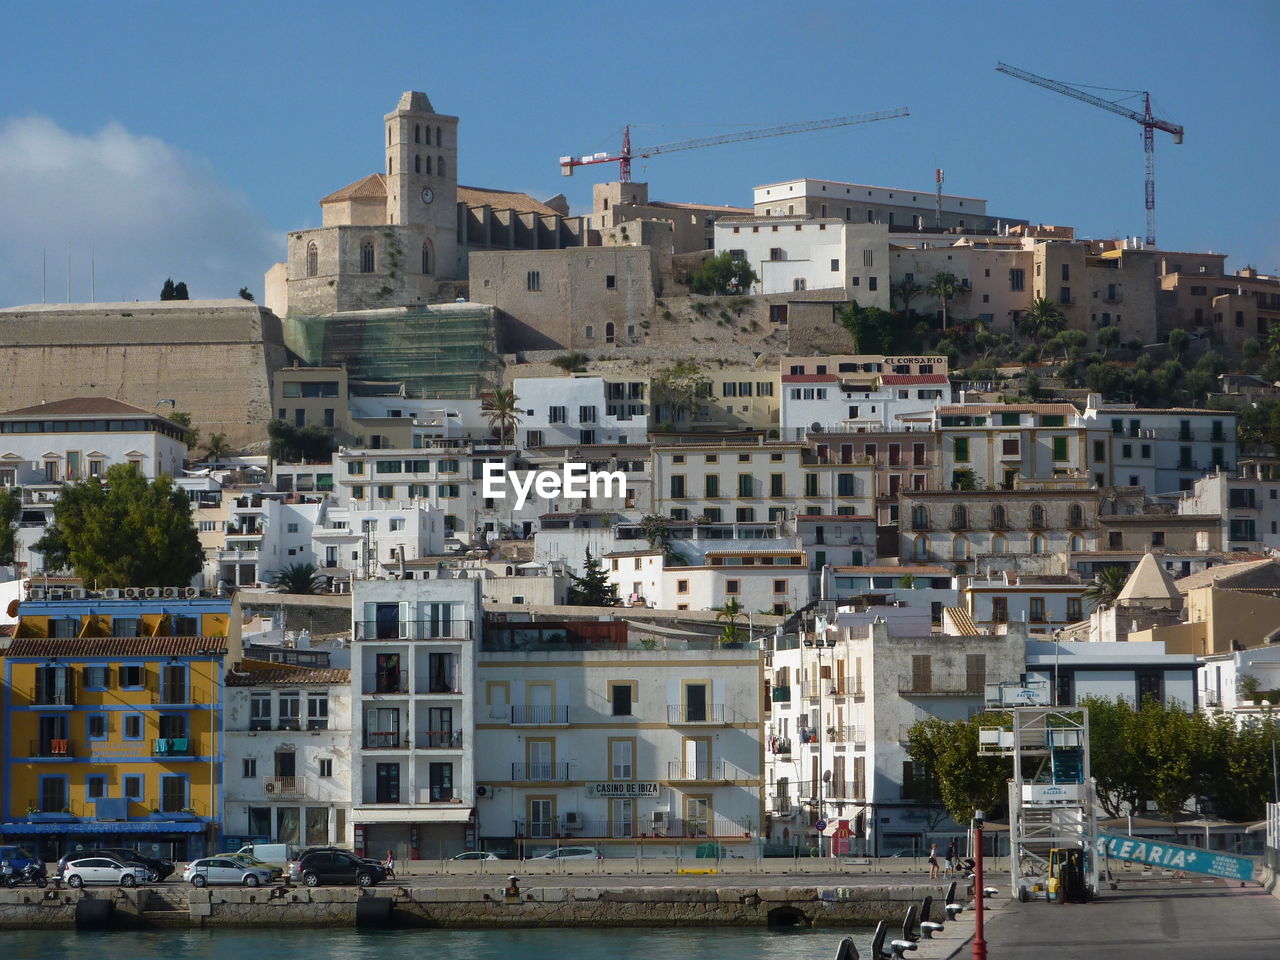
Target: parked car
(85, 870)
(332, 865)
(209, 870)
(477, 855)
(248, 861)
(17, 859)
(160, 867)
(570, 853)
(278, 854)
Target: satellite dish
(815, 428)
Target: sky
(145, 140)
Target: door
(541, 757)
(542, 815)
(387, 621)
(695, 703)
(697, 816)
(53, 737)
(440, 781)
(286, 764)
(440, 673)
(387, 675)
(387, 783)
(697, 758)
(539, 709)
(440, 619)
(381, 727)
(175, 684)
(440, 727)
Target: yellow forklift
(1068, 870)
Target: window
(835, 266)
(610, 281)
(622, 759)
(746, 485)
(872, 283)
(96, 726)
(96, 678)
(711, 486)
(1074, 609)
(556, 414)
(313, 259)
(366, 257)
(587, 414)
(1000, 609)
(868, 258)
(776, 485)
(682, 586)
(677, 486)
(798, 283)
(1099, 451)
(961, 449)
(173, 793)
(131, 675)
(1064, 295)
(533, 281)
(1037, 609)
(1066, 272)
(426, 258)
(732, 587)
(1060, 448)
(133, 727)
(317, 710)
(95, 786)
(621, 695)
(132, 787)
(779, 586)
(326, 767)
(249, 768)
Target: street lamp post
(979, 941)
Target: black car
(332, 865)
(157, 869)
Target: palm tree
(904, 292)
(1044, 321)
(730, 613)
(1106, 586)
(217, 447)
(944, 286)
(298, 578)
(502, 413)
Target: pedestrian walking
(933, 861)
(951, 858)
(390, 865)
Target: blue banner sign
(1171, 856)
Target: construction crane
(624, 156)
(1150, 124)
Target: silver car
(102, 870)
(208, 870)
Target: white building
(413, 789)
(1165, 449)
(864, 203)
(858, 403)
(589, 737)
(288, 754)
(1241, 683)
(1043, 603)
(1133, 671)
(580, 411)
(843, 701)
(924, 587)
(44, 446)
(792, 253)
(1246, 503)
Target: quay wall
(486, 907)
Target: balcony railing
(385, 740)
(540, 714)
(292, 787)
(175, 693)
(439, 740)
(171, 747)
(659, 825)
(972, 686)
(847, 734)
(780, 694)
(834, 687)
(681, 713)
(540, 772)
(385, 682)
(52, 749)
(413, 630)
(697, 770)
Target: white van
(276, 854)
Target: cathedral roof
(415, 101)
(502, 200)
(372, 187)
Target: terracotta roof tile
(503, 200)
(79, 406)
(912, 379)
(245, 674)
(74, 647)
(372, 187)
(809, 378)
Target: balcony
(539, 772)
(413, 630)
(780, 694)
(679, 714)
(56, 689)
(383, 682)
(656, 825)
(51, 749)
(385, 740)
(837, 687)
(285, 787)
(780, 746)
(697, 770)
(909, 686)
(545, 715)
(171, 747)
(852, 735)
(439, 740)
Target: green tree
(217, 447)
(290, 444)
(1043, 321)
(656, 532)
(180, 291)
(1108, 339)
(943, 287)
(722, 274)
(729, 615)
(1116, 760)
(10, 513)
(245, 294)
(1273, 429)
(298, 578)
(873, 330)
(681, 386)
(1179, 341)
(123, 530)
(166, 292)
(904, 291)
(502, 411)
(1105, 588)
(571, 362)
(947, 765)
(593, 588)
(192, 435)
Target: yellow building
(114, 740)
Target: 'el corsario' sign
(1171, 856)
(624, 789)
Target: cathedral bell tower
(422, 176)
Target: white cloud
(145, 209)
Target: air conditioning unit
(131, 593)
(191, 591)
(77, 593)
(660, 818)
(57, 595)
(571, 820)
(111, 593)
(151, 593)
(35, 593)
(170, 592)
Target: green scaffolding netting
(441, 351)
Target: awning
(28, 828)
(454, 813)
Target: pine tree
(593, 588)
(180, 291)
(166, 292)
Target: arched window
(313, 259)
(922, 548)
(1077, 543)
(428, 166)
(1039, 544)
(960, 548)
(608, 332)
(388, 136)
(440, 166)
(417, 163)
(390, 167)
(920, 518)
(959, 517)
(417, 132)
(999, 517)
(439, 136)
(1075, 516)
(366, 257)
(999, 546)
(426, 257)
(1037, 516)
